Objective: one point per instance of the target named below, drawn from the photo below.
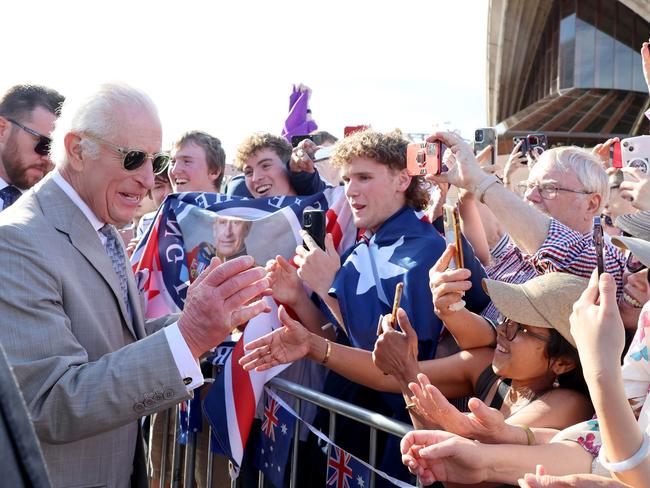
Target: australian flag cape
(184, 235)
(403, 250)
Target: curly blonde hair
(262, 140)
(384, 148)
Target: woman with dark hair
(532, 377)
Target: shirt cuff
(188, 367)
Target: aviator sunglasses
(42, 147)
(132, 159)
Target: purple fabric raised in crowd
(297, 123)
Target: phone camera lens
(478, 136)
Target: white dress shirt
(187, 366)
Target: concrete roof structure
(515, 30)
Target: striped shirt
(564, 250)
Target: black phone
(483, 138)
(598, 244)
(315, 138)
(523, 149)
(313, 221)
(537, 143)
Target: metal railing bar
(165, 444)
(190, 459)
(367, 417)
(294, 454)
(372, 455)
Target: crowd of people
(524, 366)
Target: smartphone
(451, 220)
(424, 158)
(313, 222)
(523, 149)
(295, 140)
(351, 129)
(323, 153)
(598, 244)
(635, 152)
(483, 138)
(615, 156)
(537, 143)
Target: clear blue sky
(227, 67)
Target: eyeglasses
(548, 191)
(513, 328)
(134, 158)
(42, 147)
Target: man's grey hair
(584, 164)
(96, 113)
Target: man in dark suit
(27, 116)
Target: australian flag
(404, 248)
(275, 442)
(344, 471)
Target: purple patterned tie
(9, 194)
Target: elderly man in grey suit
(71, 319)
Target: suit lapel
(68, 218)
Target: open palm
(284, 345)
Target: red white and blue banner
(344, 470)
(188, 230)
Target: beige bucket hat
(639, 247)
(545, 301)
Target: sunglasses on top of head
(133, 159)
(42, 147)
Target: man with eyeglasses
(551, 228)
(27, 116)
(71, 319)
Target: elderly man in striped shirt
(551, 228)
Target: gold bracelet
(530, 436)
(328, 351)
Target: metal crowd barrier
(184, 469)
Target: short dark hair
(325, 137)
(21, 100)
(215, 155)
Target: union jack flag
(270, 419)
(344, 471)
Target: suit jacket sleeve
(70, 396)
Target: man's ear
(403, 180)
(74, 151)
(595, 201)
(5, 130)
(215, 174)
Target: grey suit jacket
(86, 369)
